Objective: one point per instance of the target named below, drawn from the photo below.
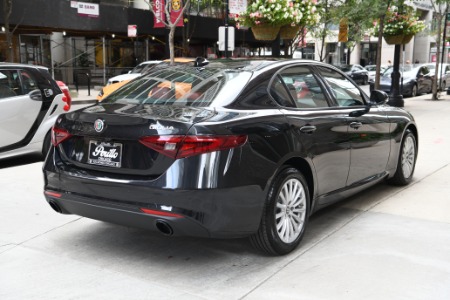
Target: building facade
(421, 49)
(96, 41)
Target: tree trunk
(438, 55)
(7, 9)
(379, 47)
(172, 43)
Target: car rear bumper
(225, 212)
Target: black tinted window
(183, 86)
(345, 92)
(303, 87)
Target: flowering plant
(279, 12)
(405, 22)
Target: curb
(78, 102)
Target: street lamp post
(395, 98)
(226, 29)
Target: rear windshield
(345, 68)
(200, 87)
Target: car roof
(150, 62)
(245, 64)
(17, 65)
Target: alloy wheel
(290, 212)
(408, 157)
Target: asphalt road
(384, 243)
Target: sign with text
(132, 30)
(159, 14)
(222, 38)
(176, 6)
(236, 7)
(88, 9)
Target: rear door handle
(308, 129)
(355, 125)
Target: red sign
(159, 15)
(175, 12)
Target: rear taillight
(59, 135)
(67, 99)
(53, 194)
(160, 213)
(178, 146)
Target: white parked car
(30, 102)
(136, 72)
(372, 71)
(443, 74)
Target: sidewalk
(84, 96)
(442, 96)
(384, 243)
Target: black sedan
(414, 80)
(357, 72)
(228, 149)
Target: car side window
(9, 84)
(303, 87)
(345, 92)
(28, 82)
(279, 92)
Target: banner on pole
(343, 30)
(175, 11)
(159, 14)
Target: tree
(7, 10)
(168, 23)
(323, 30)
(361, 15)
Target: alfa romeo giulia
(228, 149)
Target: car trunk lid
(109, 137)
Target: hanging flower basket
(288, 32)
(398, 39)
(265, 32)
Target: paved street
(384, 243)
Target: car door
(358, 73)
(424, 80)
(369, 131)
(445, 76)
(319, 132)
(18, 112)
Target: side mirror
(378, 97)
(35, 95)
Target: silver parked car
(372, 71)
(30, 102)
(443, 74)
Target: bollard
(88, 83)
(76, 80)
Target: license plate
(105, 154)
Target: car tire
(413, 92)
(365, 80)
(46, 144)
(406, 160)
(285, 214)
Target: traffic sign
(230, 38)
